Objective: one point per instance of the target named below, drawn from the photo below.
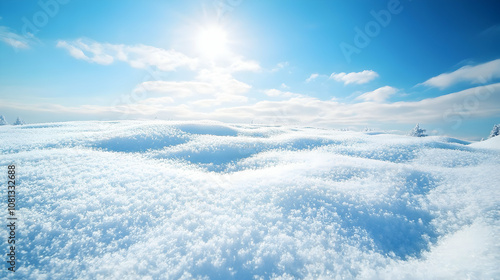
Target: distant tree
(417, 131)
(3, 121)
(19, 122)
(495, 131)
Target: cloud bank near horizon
(477, 102)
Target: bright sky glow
(352, 64)
(212, 41)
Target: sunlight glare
(212, 41)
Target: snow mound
(141, 139)
(491, 143)
(197, 200)
(210, 129)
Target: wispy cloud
(210, 87)
(223, 81)
(493, 30)
(362, 77)
(137, 56)
(241, 64)
(176, 89)
(280, 66)
(312, 77)
(378, 95)
(142, 56)
(14, 40)
(279, 93)
(481, 73)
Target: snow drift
(204, 200)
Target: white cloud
(378, 95)
(493, 30)
(73, 51)
(216, 86)
(137, 56)
(176, 89)
(283, 85)
(240, 64)
(479, 102)
(312, 77)
(280, 66)
(219, 100)
(142, 56)
(279, 93)
(14, 40)
(223, 81)
(486, 101)
(362, 77)
(481, 73)
(157, 101)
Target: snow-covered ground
(203, 200)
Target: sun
(212, 41)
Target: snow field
(204, 200)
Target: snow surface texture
(200, 200)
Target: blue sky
(350, 64)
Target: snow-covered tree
(495, 131)
(3, 121)
(19, 122)
(417, 131)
